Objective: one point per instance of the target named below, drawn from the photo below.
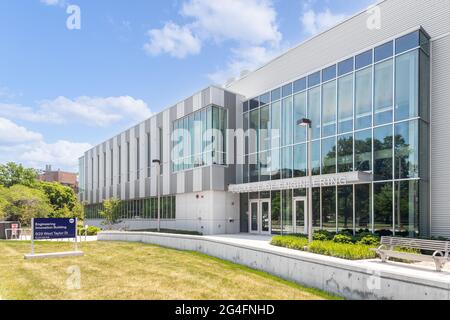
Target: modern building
(68, 179)
(377, 91)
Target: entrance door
(300, 217)
(259, 216)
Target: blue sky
(63, 90)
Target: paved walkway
(415, 270)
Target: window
(407, 86)
(286, 90)
(264, 99)
(287, 211)
(329, 155)
(314, 79)
(254, 127)
(345, 104)
(406, 150)
(383, 206)
(315, 157)
(264, 166)
(329, 208)
(382, 148)
(275, 198)
(363, 196)
(345, 207)
(363, 60)
(299, 113)
(345, 66)
(98, 171)
(383, 95)
(363, 99)
(264, 136)
(363, 150)
(407, 208)
(254, 103)
(286, 163)
(384, 51)
(300, 161)
(329, 109)
(276, 94)
(245, 106)
(275, 124)
(314, 111)
(329, 73)
(345, 153)
(299, 85)
(286, 129)
(407, 42)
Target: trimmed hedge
(349, 251)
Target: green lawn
(118, 270)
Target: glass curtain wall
(369, 113)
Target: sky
(75, 73)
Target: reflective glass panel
(383, 95)
(329, 155)
(345, 153)
(363, 99)
(329, 109)
(383, 206)
(363, 150)
(407, 86)
(382, 148)
(345, 104)
(406, 150)
(299, 113)
(314, 111)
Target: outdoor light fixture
(305, 122)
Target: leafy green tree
(3, 202)
(63, 200)
(111, 212)
(24, 203)
(12, 174)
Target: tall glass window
(329, 208)
(275, 203)
(329, 109)
(329, 155)
(299, 113)
(407, 85)
(315, 157)
(363, 98)
(275, 122)
(406, 199)
(286, 137)
(382, 148)
(345, 153)
(406, 163)
(264, 136)
(363, 150)
(363, 196)
(345, 104)
(300, 161)
(287, 211)
(314, 111)
(383, 94)
(383, 206)
(345, 207)
(286, 156)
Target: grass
(350, 251)
(119, 270)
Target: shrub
(348, 251)
(320, 236)
(328, 235)
(369, 240)
(342, 238)
(291, 242)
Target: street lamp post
(307, 123)
(157, 162)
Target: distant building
(68, 179)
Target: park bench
(440, 250)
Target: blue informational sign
(54, 228)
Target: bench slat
(433, 245)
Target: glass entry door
(300, 217)
(259, 216)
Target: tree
(24, 203)
(63, 200)
(111, 212)
(12, 174)
(3, 202)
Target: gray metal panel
(173, 114)
(440, 131)
(147, 187)
(206, 97)
(345, 39)
(206, 180)
(127, 190)
(189, 181)
(136, 188)
(173, 183)
(188, 105)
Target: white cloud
(178, 41)
(244, 59)
(246, 22)
(94, 111)
(11, 133)
(22, 145)
(252, 22)
(314, 22)
(62, 154)
(53, 2)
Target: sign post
(51, 229)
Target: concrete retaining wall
(349, 279)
